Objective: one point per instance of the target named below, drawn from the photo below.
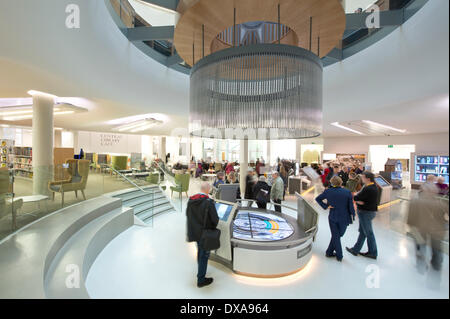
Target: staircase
(146, 204)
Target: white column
(298, 150)
(243, 162)
(42, 142)
(162, 148)
(269, 158)
(76, 145)
(58, 138)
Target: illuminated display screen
(255, 226)
(381, 182)
(223, 210)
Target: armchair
(182, 184)
(79, 172)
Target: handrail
(127, 179)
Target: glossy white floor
(156, 262)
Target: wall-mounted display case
(424, 165)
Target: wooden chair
(79, 172)
(182, 184)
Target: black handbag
(210, 239)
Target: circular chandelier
(257, 79)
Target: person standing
(249, 184)
(342, 213)
(262, 192)
(367, 203)
(326, 171)
(343, 174)
(277, 190)
(232, 179)
(201, 214)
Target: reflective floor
(156, 262)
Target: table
(31, 199)
(209, 176)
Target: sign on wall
(109, 142)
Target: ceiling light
(143, 128)
(139, 125)
(11, 102)
(384, 126)
(63, 112)
(29, 116)
(16, 112)
(346, 128)
(131, 126)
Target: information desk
(264, 243)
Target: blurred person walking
(428, 220)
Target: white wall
(67, 139)
(423, 142)
(379, 154)
(94, 142)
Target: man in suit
(201, 214)
(342, 213)
(367, 202)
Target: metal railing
(127, 179)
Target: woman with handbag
(202, 220)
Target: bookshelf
(23, 161)
(6, 149)
(429, 164)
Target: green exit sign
(391, 146)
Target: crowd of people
(350, 192)
(345, 188)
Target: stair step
(136, 194)
(142, 199)
(147, 220)
(150, 204)
(154, 211)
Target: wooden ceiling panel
(217, 15)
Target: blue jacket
(341, 199)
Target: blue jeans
(366, 232)
(337, 231)
(202, 260)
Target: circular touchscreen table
(256, 226)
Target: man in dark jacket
(343, 174)
(342, 213)
(261, 191)
(201, 214)
(367, 202)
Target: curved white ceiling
(401, 81)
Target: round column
(42, 142)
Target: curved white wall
(392, 81)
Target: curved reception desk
(264, 243)
(51, 257)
